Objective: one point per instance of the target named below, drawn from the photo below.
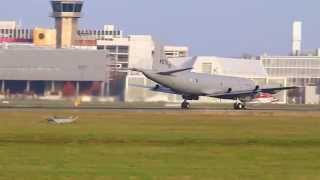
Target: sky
(209, 27)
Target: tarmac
(251, 108)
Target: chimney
(296, 38)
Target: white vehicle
(62, 120)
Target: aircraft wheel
(185, 105)
(239, 106)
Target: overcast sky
(208, 27)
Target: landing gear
(239, 106)
(185, 105)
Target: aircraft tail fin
(162, 64)
(160, 61)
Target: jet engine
(190, 97)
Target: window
(123, 58)
(56, 6)
(78, 8)
(124, 66)
(100, 47)
(68, 7)
(207, 68)
(111, 49)
(112, 57)
(123, 49)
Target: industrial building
(46, 72)
(300, 69)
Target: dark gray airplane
(192, 85)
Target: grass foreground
(152, 145)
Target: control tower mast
(66, 14)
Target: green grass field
(175, 145)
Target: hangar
(47, 71)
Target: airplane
(191, 85)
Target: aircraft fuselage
(190, 83)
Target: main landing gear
(239, 105)
(185, 105)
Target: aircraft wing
(274, 90)
(232, 95)
(235, 94)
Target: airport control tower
(66, 14)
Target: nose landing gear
(185, 105)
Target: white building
(302, 71)
(129, 51)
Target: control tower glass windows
(78, 8)
(68, 7)
(56, 6)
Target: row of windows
(296, 72)
(302, 81)
(66, 7)
(114, 49)
(16, 33)
(99, 33)
(176, 54)
(292, 63)
(119, 57)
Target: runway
(218, 109)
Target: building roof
(52, 64)
(8, 25)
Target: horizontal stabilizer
(167, 73)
